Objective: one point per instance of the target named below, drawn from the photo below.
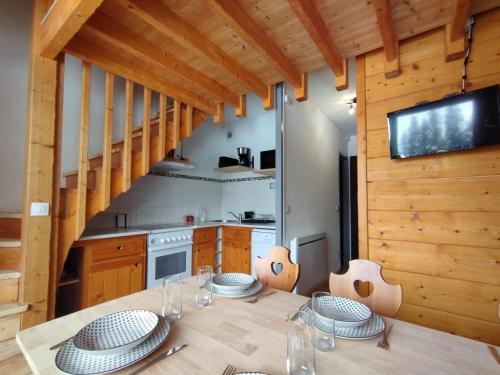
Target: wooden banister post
(127, 135)
(107, 140)
(146, 131)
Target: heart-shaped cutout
(363, 288)
(276, 267)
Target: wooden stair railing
(101, 178)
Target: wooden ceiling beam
(313, 22)
(168, 23)
(61, 22)
(112, 32)
(391, 45)
(234, 16)
(96, 55)
(455, 31)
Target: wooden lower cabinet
(236, 253)
(112, 268)
(204, 247)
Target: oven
(169, 254)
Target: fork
(230, 370)
(383, 343)
(254, 300)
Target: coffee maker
(244, 155)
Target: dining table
(253, 338)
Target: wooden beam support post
(127, 135)
(391, 45)
(107, 141)
(56, 193)
(168, 23)
(162, 128)
(176, 126)
(313, 22)
(62, 22)
(269, 101)
(242, 107)
(146, 131)
(96, 55)
(81, 201)
(233, 15)
(105, 28)
(455, 31)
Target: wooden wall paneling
(62, 22)
(127, 134)
(176, 124)
(162, 128)
(167, 22)
(56, 192)
(312, 21)
(453, 323)
(361, 158)
(81, 202)
(139, 73)
(107, 141)
(475, 194)
(391, 45)
(454, 31)
(467, 298)
(433, 221)
(457, 262)
(479, 162)
(38, 179)
(233, 15)
(459, 228)
(107, 29)
(146, 131)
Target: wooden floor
(12, 361)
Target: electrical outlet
(39, 209)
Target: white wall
(352, 147)
(311, 181)
(257, 196)
(15, 32)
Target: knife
(174, 350)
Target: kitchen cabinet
(111, 268)
(204, 247)
(236, 249)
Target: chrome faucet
(238, 217)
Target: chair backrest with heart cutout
(384, 299)
(277, 270)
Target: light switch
(272, 185)
(39, 209)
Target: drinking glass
(324, 321)
(171, 298)
(204, 289)
(300, 349)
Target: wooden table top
(253, 338)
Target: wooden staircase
(94, 191)
(10, 275)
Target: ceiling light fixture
(351, 103)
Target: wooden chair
(265, 269)
(384, 299)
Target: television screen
(454, 123)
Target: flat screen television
(455, 123)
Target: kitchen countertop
(94, 234)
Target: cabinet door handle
(119, 248)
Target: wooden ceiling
(209, 52)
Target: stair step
(9, 274)
(12, 308)
(10, 225)
(10, 257)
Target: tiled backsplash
(168, 198)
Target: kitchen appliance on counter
(251, 217)
(225, 161)
(169, 253)
(268, 159)
(245, 157)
